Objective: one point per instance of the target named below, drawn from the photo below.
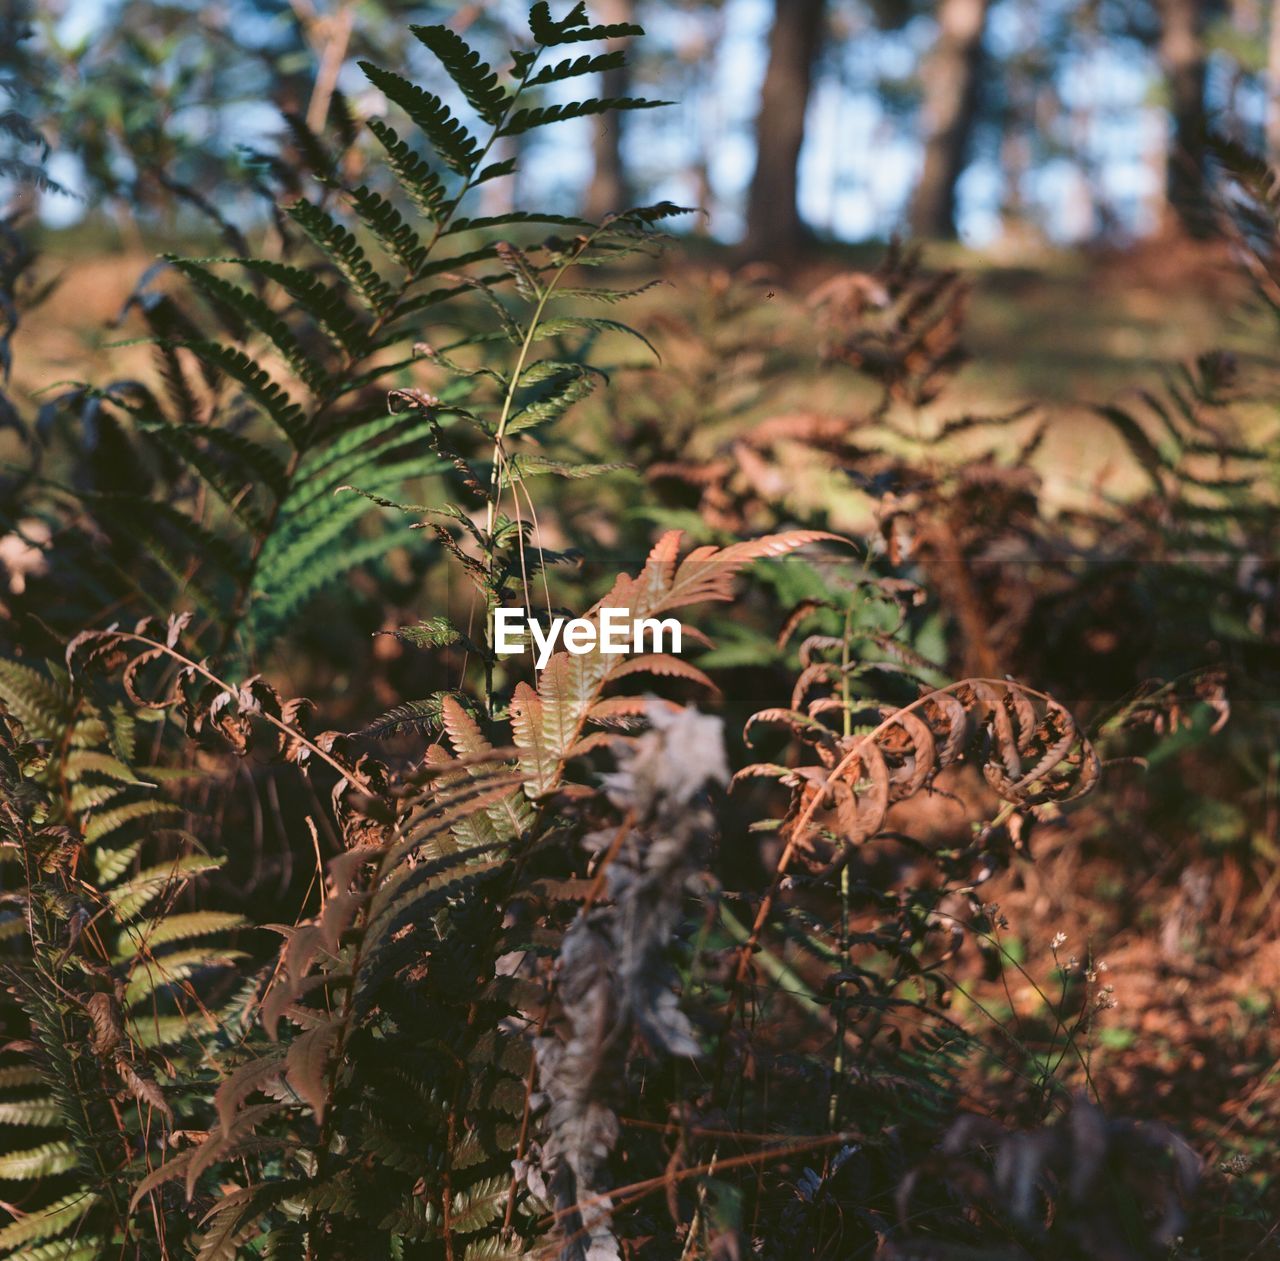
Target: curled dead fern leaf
(1028, 746)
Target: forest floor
(1060, 328)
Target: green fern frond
(309, 525)
(480, 1204)
(511, 218)
(153, 1032)
(34, 1112)
(575, 27)
(595, 324)
(314, 566)
(80, 762)
(78, 1248)
(475, 80)
(257, 384)
(110, 864)
(38, 1162)
(456, 146)
(33, 699)
(434, 632)
(451, 264)
(311, 544)
(258, 316)
(324, 304)
(561, 395)
(419, 183)
(525, 120)
(173, 928)
(172, 968)
(103, 823)
(343, 250)
(47, 1224)
(385, 222)
(576, 67)
(522, 466)
(129, 899)
(407, 716)
(339, 461)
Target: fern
(304, 358)
(548, 723)
(516, 1001)
(103, 963)
(342, 981)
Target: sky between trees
(991, 120)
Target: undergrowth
(560, 964)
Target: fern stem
(499, 454)
(199, 668)
(353, 359)
(837, 1066)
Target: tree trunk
(774, 227)
(609, 191)
(1183, 59)
(951, 85)
(1273, 86)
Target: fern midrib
(499, 454)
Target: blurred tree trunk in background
(609, 190)
(951, 83)
(774, 227)
(1183, 58)
(1273, 86)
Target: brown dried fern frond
(1027, 744)
(251, 716)
(549, 722)
(899, 325)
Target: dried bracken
(492, 989)
(900, 324)
(1028, 747)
